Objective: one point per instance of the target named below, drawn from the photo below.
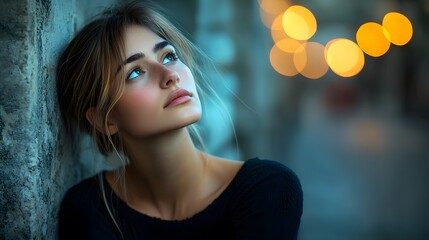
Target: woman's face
(160, 93)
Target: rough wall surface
(37, 162)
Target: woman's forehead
(139, 38)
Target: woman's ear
(99, 123)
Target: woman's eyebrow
(131, 59)
(139, 55)
(160, 46)
(134, 57)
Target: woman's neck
(166, 172)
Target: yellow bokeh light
(309, 60)
(399, 28)
(274, 7)
(289, 45)
(299, 22)
(373, 39)
(278, 34)
(282, 61)
(266, 18)
(270, 9)
(344, 57)
(277, 31)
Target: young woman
(130, 80)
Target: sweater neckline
(207, 210)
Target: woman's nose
(169, 77)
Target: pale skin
(167, 177)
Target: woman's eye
(170, 57)
(135, 74)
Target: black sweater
(263, 201)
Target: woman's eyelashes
(135, 73)
(170, 57)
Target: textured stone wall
(32, 157)
(37, 161)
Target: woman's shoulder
(266, 178)
(83, 213)
(256, 170)
(84, 200)
(266, 201)
(84, 191)
(266, 187)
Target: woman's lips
(178, 97)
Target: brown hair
(87, 68)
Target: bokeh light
(373, 39)
(292, 26)
(270, 9)
(399, 28)
(344, 57)
(309, 60)
(277, 31)
(299, 22)
(278, 34)
(289, 45)
(281, 60)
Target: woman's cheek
(138, 104)
(187, 79)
